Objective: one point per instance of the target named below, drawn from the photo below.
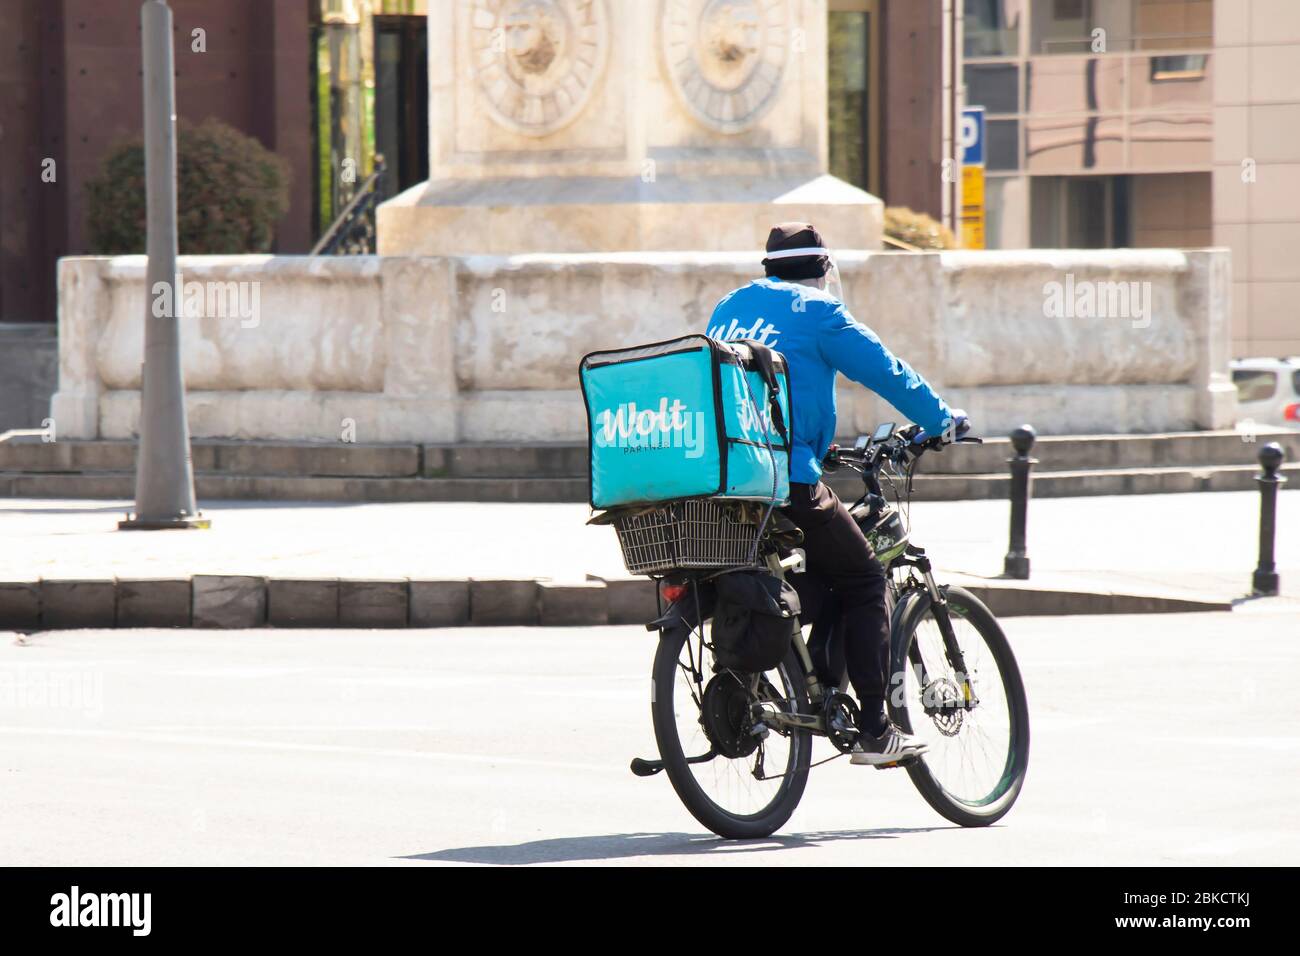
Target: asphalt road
(1156, 740)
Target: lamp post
(164, 479)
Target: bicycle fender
(914, 604)
(905, 609)
(674, 617)
(681, 613)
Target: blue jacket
(818, 337)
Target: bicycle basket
(694, 533)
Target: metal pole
(1265, 581)
(164, 480)
(1016, 563)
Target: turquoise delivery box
(692, 417)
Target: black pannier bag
(753, 620)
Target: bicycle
(737, 747)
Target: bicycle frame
(914, 558)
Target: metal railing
(24, 433)
(353, 232)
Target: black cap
(796, 235)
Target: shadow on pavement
(628, 845)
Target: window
(1189, 66)
(1002, 144)
(991, 27)
(994, 86)
(1254, 385)
(1079, 212)
(1060, 26)
(849, 105)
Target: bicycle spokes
(963, 716)
(722, 712)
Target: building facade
(1147, 123)
(1256, 169)
(70, 90)
(1098, 120)
(326, 84)
(1109, 123)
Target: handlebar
(897, 447)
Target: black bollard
(1270, 459)
(1016, 564)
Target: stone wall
(485, 348)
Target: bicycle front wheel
(739, 784)
(978, 755)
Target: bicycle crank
(840, 718)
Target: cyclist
(797, 309)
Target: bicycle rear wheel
(977, 758)
(747, 786)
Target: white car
(1268, 390)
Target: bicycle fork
(942, 616)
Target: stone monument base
(374, 349)
(608, 214)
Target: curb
(1015, 601)
(225, 601)
(222, 601)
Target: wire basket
(695, 533)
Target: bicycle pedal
(905, 762)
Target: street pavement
(1200, 545)
(1157, 739)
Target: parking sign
(971, 140)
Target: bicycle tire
(716, 818)
(910, 612)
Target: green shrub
(231, 191)
(917, 229)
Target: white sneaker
(887, 750)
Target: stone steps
(219, 487)
(285, 471)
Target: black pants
(844, 592)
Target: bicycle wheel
(977, 758)
(739, 785)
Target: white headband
(793, 253)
